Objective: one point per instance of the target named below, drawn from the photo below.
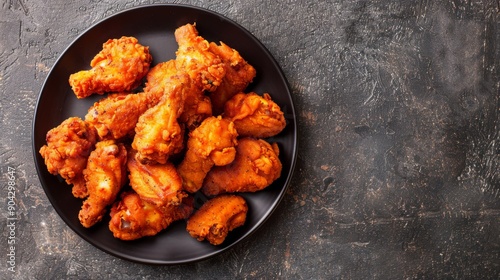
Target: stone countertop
(398, 116)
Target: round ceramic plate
(154, 26)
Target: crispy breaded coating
(217, 217)
(67, 150)
(159, 184)
(254, 115)
(158, 79)
(197, 106)
(159, 135)
(194, 57)
(254, 168)
(239, 74)
(212, 143)
(116, 115)
(133, 218)
(118, 67)
(105, 175)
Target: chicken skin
(159, 184)
(105, 175)
(212, 143)
(194, 57)
(239, 73)
(197, 105)
(118, 67)
(159, 135)
(116, 115)
(158, 79)
(133, 218)
(67, 150)
(254, 115)
(255, 167)
(217, 217)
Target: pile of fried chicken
(142, 156)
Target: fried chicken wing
(67, 150)
(159, 184)
(158, 132)
(118, 67)
(238, 74)
(212, 143)
(194, 57)
(105, 175)
(254, 115)
(255, 167)
(116, 115)
(217, 217)
(133, 218)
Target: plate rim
(268, 213)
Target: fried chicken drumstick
(105, 175)
(158, 134)
(254, 115)
(217, 217)
(67, 150)
(159, 184)
(196, 107)
(255, 167)
(116, 115)
(193, 56)
(118, 67)
(212, 143)
(239, 73)
(133, 218)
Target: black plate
(154, 26)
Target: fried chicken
(67, 150)
(133, 218)
(158, 79)
(104, 176)
(239, 73)
(116, 115)
(254, 115)
(194, 57)
(159, 135)
(212, 143)
(197, 106)
(159, 184)
(255, 167)
(118, 67)
(217, 217)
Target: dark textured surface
(398, 114)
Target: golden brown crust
(159, 184)
(196, 107)
(254, 115)
(217, 217)
(105, 175)
(239, 73)
(67, 150)
(133, 218)
(212, 143)
(118, 67)
(254, 168)
(194, 57)
(116, 115)
(159, 135)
